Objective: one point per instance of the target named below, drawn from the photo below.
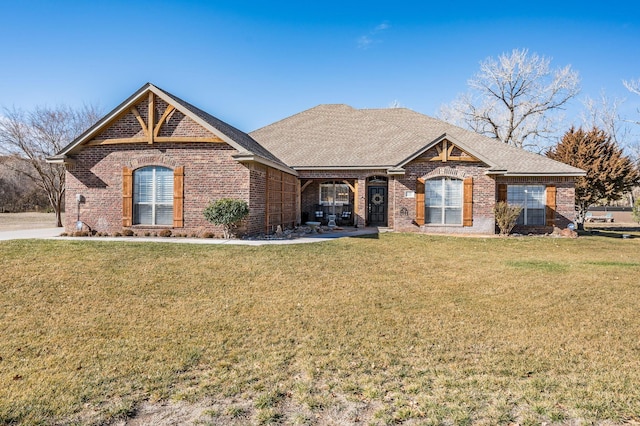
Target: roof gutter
(249, 157)
(573, 174)
(531, 174)
(60, 159)
(315, 168)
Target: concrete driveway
(23, 234)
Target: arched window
(153, 196)
(443, 201)
(377, 180)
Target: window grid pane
(164, 186)
(164, 214)
(342, 193)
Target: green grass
(403, 328)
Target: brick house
(156, 161)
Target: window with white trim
(532, 200)
(153, 196)
(334, 192)
(443, 201)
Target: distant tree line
(18, 192)
(26, 140)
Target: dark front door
(377, 205)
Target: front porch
(358, 201)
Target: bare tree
(18, 193)
(610, 173)
(41, 133)
(632, 85)
(603, 113)
(516, 99)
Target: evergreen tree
(610, 174)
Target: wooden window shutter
(127, 196)
(467, 208)
(551, 205)
(502, 192)
(178, 197)
(420, 202)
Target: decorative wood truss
(445, 153)
(151, 128)
(307, 183)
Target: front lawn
(400, 328)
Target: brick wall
(209, 174)
(484, 193)
(565, 200)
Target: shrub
(208, 235)
(227, 212)
(127, 232)
(506, 216)
(636, 210)
(165, 233)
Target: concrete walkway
(24, 234)
(53, 234)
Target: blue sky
(252, 63)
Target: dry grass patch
(29, 220)
(404, 328)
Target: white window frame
(442, 204)
(529, 191)
(332, 190)
(154, 203)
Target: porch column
(359, 202)
(298, 202)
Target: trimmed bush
(227, 212)
(165, 233)
(506, 216)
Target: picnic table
(590, 217)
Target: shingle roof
(238, 136)
(335, 136)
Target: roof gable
(446, 148)
(172, 120)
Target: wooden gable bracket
(305, 185)
(151, 129)
(445, 153)
(136, 113)
(165, 117)
(351, 187)
(152, 116)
